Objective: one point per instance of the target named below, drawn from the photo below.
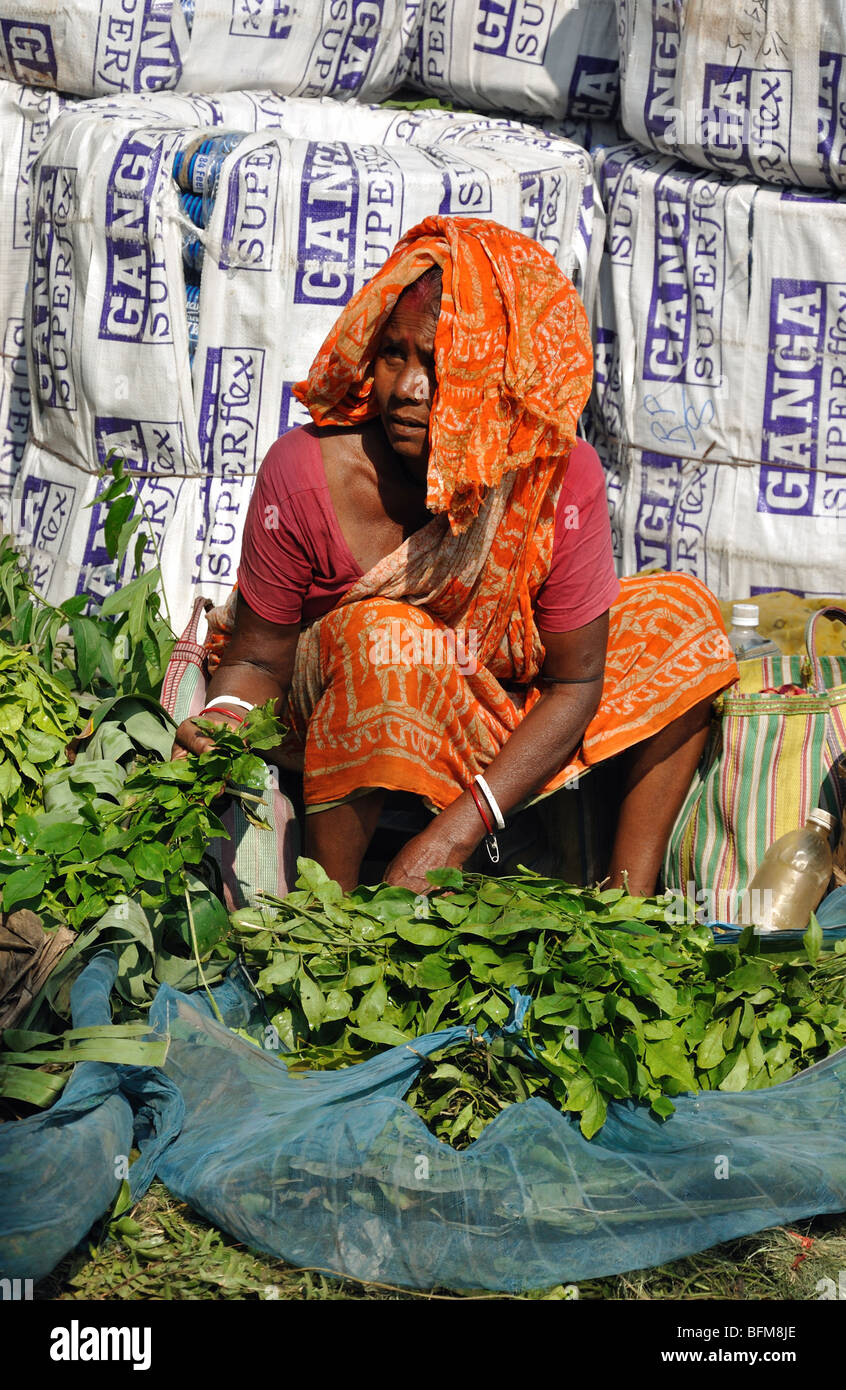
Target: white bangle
(491, 800)
(227, 700)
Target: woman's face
(404, 382)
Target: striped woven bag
(252, 860)
(770, 760)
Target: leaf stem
(218, 1015)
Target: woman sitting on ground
(427, 586)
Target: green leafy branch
(107, 835)
(118, 646)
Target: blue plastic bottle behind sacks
(192, 247)
(188, 11)
(196, 170)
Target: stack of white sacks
(719, 310)
(720, 401)
(303, 210)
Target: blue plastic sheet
(61, 1170)
(333, 1170)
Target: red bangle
(230, 713)
(481, 808)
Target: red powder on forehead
(424, 294)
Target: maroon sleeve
(582, 582)
(276, 569)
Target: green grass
(165, 1251)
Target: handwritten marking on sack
(53, 289)
(135, 298)
(328, 213)
(515, 29)
(678, 427)
(29, 54)
(230, 409)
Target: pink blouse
(298, 568)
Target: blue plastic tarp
(333, 1170)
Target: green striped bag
(252, 860)
(770, 760)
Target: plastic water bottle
(744, 638)
(792, 877)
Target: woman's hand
(256, 666)
(431, 849)
(190, 739)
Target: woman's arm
(537, 749)
(257, 665)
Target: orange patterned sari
(401, 685)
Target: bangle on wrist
(499, 818)
(482, 809)
(228, 700)
(490, 839)
(231, 713)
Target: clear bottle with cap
(792, 877)
(744, 638)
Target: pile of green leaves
(624, 1002)
(38, 716)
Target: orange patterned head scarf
(513, 357)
